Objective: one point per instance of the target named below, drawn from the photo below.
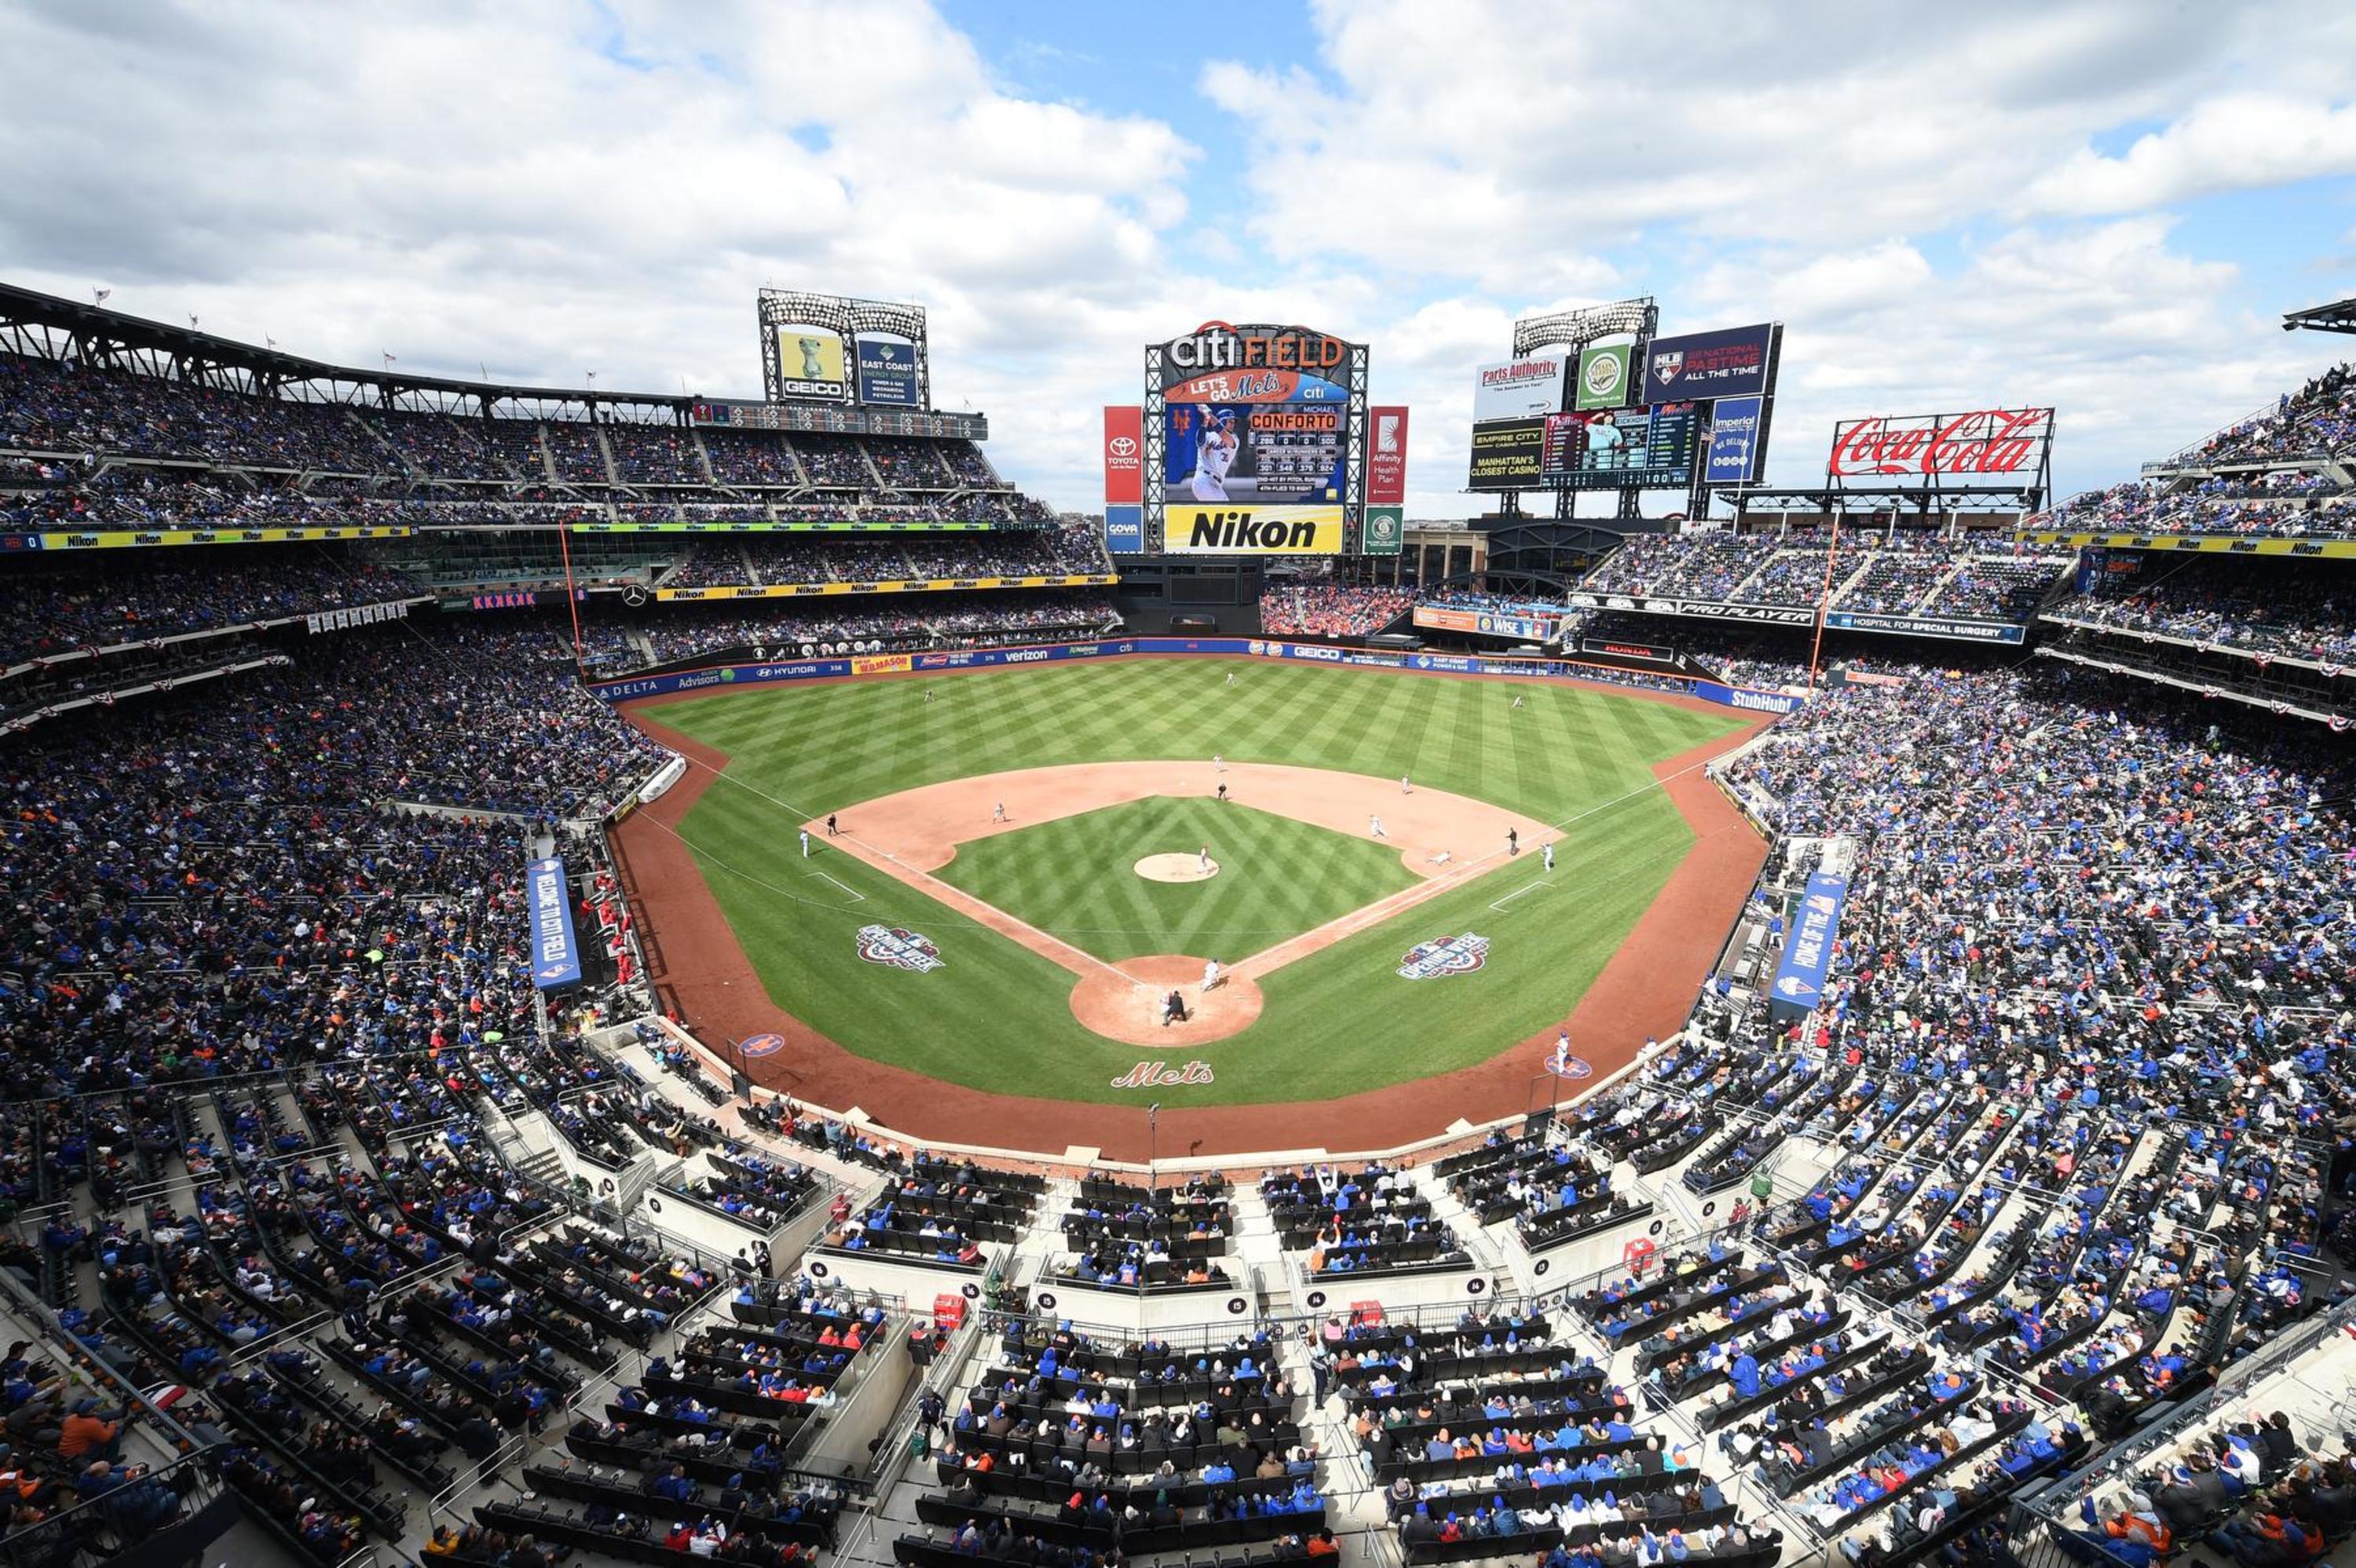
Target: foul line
(856, 896)
(1526, 888)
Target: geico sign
(1989, 441)
(1216, 346)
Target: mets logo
(1447, 955)
(900, 948)
(1572, 1067)
(761, 1044)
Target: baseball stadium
(604, 977)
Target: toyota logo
(1122, 446)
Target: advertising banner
(1603, 375)
(1982, 442)
(1124, 454)
(1386, 458)
(1252, 530)
(1385, 530)
(1952, 628)
(1734, 442)
(825, 528)
(1125, 529)
(2205, 544)
(1699, 609)
(1799, 984)
(1732, 362)
(810, 363)
(1505, 454)
(1282, 455)
(555, 956)
(1484, 622)
(911, 585)
(888, 370)
(1517, 388)
(632, 687)
(1614, 647)
(141, 538)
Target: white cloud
(2235, 142)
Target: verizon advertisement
(2001, 442)
(1517, 389)
(1386, 457)
(1124, 454)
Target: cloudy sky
(2102, 206)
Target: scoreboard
(1605, 448)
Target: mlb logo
(1667, 366)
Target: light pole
(1152, 1142)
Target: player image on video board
(1260, 453)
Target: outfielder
(1518, 700)
(805, 843)
(1545, 855)
(1231, 678)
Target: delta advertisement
(1386, 457)
(1744, 698)
(1732, 362)
(1485, 624)
(1252, 530)
(1799, 985)
(913, 585)
(887, 372)
(1518, 389)
(1505, 454)
(1738, 442)
(810, 363)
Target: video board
(1608, 448)
(849, 353)
(1256, 441)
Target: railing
(98, 1529)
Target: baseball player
(1231, 678)
(1222, 794)
(1210, 973)
(1218, 762)
(1518, 700)
(805, 843)
(1513, 841)
(1203, 860)
(1214, 453)
(999, 814)
(1545, 855)
(831, 831)
(1561, 1061)
(1405, 787)
(1374, 827)
(929, 694)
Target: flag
(102, 295)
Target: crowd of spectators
(1890, 573)
(884, 625)
(2317, 420)
(48, 608)
(1329, 609)
(2246, 511)
(2229, 602)
(744, 560)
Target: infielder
(1218, 762)
(1222, 794)
(1374, 827)
(1405, 787)
(1210, 973)
(999, 814)
(1545, 855)
(1203, 860)
(805, 843)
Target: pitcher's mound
(1177, 869)
(1125, 1002)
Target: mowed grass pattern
(997, 1016)
(1278, 878)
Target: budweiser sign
(1989, 441)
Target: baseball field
(986, 911)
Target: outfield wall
(1748, 700)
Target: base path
(1645, 989)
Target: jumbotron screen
(1607, 448)
(1271, 455)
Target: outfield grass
(997, 1016)
(1278, 878)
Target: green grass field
(1336, 1022)
(1278, 878)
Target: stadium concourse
(2025, 1240)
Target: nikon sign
(1252, 530)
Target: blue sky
(2008, 203)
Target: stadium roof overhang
(2340, 317)
(1924, 500)
(103, 336)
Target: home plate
(1177, 869)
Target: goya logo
(1447, 955)
(899, 947)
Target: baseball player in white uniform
(1214, 453)
(999, 814)
(1545, 855)
(1374, 827)
(1405, 787)
(1210, 973)
(1203, 860)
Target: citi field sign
(1220, 345)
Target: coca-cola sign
(1984, 442)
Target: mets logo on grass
(900, 948)
(1446, 955)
